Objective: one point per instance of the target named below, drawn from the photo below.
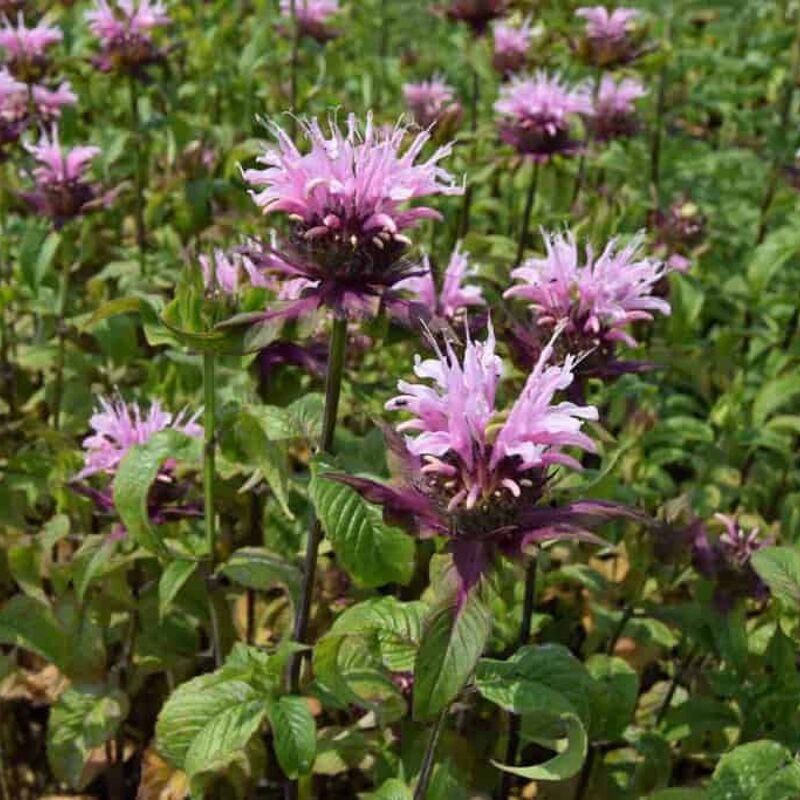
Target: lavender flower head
(536, 114)
(614, 110)
(63, 189)
(432, 103)
(727, 562)
(49, 102)
(595, 300)
(475, 13)
(455, 295)
(476, 473)
(13, 108)
(223, 272)
(511, 45)
(125, 32)
(312, 17)
(611, 37)
(679, 232)
(347, 198)
(119, 426)
(26, 48)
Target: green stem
(209, 473)
(661, 103)
(514, 720)
(136, 130)
(428, 760)
(6, 325)
(5, 792)
(294, 67)
(61, 333)
(333, 387)
(473, 124)
(526, 215)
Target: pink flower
(119, 426)
(595, 300)
(222, 271)
(614, 110)
(63, 190)
(511, 45)
(312, 17)
(26, 47)
(348, 199)
(477, 473)
(124, 32)
(454, 297)
(475, 13)
(49, 102)
(610, 36)
(536, 113)
(429, 101)
(13, 108)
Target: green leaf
(90, 562)
(120, 305)
(135, 476)
(371, 551)
(24, 563)
(80, 721)
(393, 789)
(562, 766)
(172, 580)
(771, 255)
(259, 568)
(31, 624)
(752, 772)
(779, 568)
(678, 793)
(773, 395)
(453, 639)
(614, 701)
(294, 733)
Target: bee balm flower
(347, 198)
(431, 103)
(614, 110)
(312, 17)
(125, 33)
(611, 37)
(223, 271)
(476, 473)
(26, 48)
(475, 13)
(537, 112)
(13, 108)
(511, 45)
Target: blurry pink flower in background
(313, 17)
(63, 189)
(118, 426)
(13, 108)
(511, 45)
(537, 112)
(223, 271)
(348, 200)
(455, 295)
(49, 102)
(124, 32)
(475, 13)
(431, 102)
(614, 109)
(25, 48)
(594, 300)
(611, 37)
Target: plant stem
(680, 671)
(430, 752)
(526, 215)
(6, 325)
(5, 792)
(514, 720)
(294, 66)
(136, 130)
(473, 124)
(61, 333)
(586, 773)
(661, 103)
(209, 471)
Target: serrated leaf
(371, 551)
(779, 568)
(294, 734)
(259, 568)
(453, 639)
(172, 580)
(135, 475)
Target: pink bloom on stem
(223, 271)
(312, 17)
(596, 299)
(26, 47)
(348, 200)
(610, 36)
(536, 114)
(429, 101)
(49, 102)
(455, 295)
(614, 110)
(475, 13)
(58, 165)
(511, 45)
(13, 108)
(125, 32)
(118, 426)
